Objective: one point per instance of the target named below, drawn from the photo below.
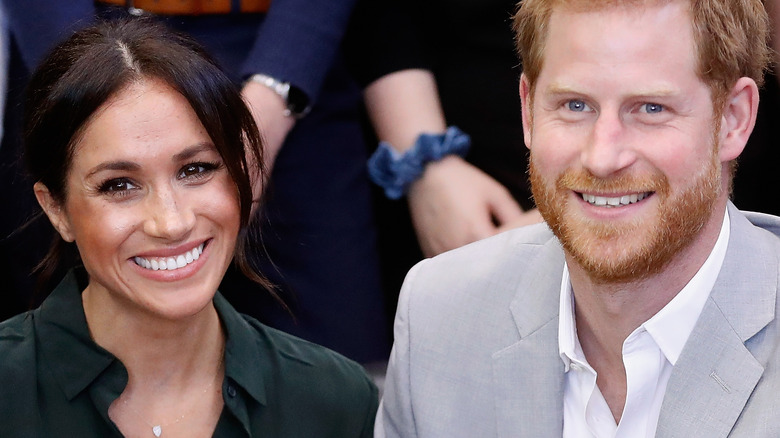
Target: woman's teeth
(603, 201)
(170, 263)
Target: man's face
(624, 164)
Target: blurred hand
(529, 217)
(455, 203)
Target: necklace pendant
(157, 431)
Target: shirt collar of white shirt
(671, 327)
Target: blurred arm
(453, 203)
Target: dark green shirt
(55, 381)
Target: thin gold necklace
(157, 429)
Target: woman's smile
(170, 263)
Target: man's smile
(616, 201)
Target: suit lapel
(710, 383)
(528, 378)
(716, 373)
(528, 375)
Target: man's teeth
(170, 263)
(615, 201)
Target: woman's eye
(117, 185)
(651, 108)
(577, 106)
(197, 170)
(190, 170)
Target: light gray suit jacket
(476, 344)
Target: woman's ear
(54, 211)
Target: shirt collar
(671, 327)
(568, 344)
(65, 340)
(242, 351)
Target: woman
(137, 141)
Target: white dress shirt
(649, 353)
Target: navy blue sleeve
(386, 36)
(299, 40)
(37, 25)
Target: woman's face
(150, 204)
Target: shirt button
(231, 391)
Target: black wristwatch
(295, 99)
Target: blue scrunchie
(396, 172)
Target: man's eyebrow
(655, 91)
(557, 88)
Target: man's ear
(738, 119)
(54, 211)
(525, 100)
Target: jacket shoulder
(17, 342)
(497, 264)
(295, 352)
(18, 372)
(474, 288)
(334, 390)
(764, 221)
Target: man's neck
(606, 314)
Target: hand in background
(455, 203)
(529, 217)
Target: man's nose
(607, 150)
(169, 215)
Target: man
(646, 305)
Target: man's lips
(614, 201)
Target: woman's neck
(175, 367)
(157, 351)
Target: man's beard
(620, 252)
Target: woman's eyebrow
(114, 165)
(194, 150)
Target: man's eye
(651, 108)
(577, 106)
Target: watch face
(297, 101)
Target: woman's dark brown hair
(98, 62)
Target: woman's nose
(169, 215)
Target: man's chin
(614, 256)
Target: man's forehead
(648, 45)
(620, 28)
(630, 8)
(596, 5)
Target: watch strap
(295, 100)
